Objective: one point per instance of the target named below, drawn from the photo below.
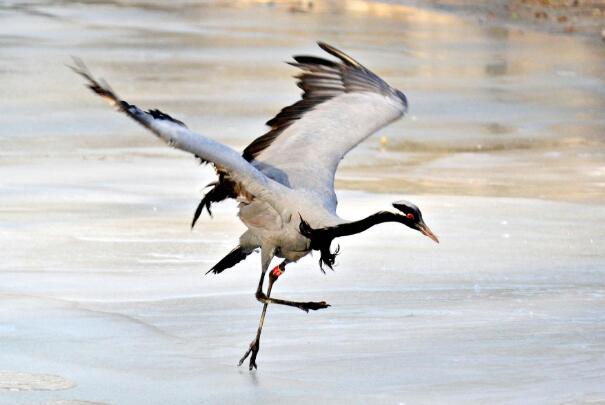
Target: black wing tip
(103, 89)
(79, 67)
(321, 80)
(311, 60)
(157, 114)
(339, 54)
(403, 98)
(316, 60)
(98, 86)
(323, 45)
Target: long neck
(351, 228)
(322, 238)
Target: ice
(16, 381)
(71, 402)
(102, 285)
(476, 318)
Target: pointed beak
(426, 231)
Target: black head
(413, 218)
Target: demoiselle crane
(284, 181)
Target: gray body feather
(288, 173)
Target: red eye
(410, 216)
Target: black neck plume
(352, 228)
(322, 238)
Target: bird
(284, 180)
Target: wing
(343, 103)
(248, 181)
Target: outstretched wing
(247, 180)
(343, 103)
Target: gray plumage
(284, 180)
(289, 171)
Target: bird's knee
(276, 272)
(260, 296)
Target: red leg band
(276, 272)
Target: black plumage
(234, 257)
(321, 80)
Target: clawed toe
(253, 360)
(313, 306)
(252, 352)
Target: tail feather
(234, 257)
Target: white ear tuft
(407, 207)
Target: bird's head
(412, 217)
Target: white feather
(306, 155)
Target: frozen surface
(101, 280)
(15, 381)
(108, 292)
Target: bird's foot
(252, 352)
(312, 305)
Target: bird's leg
(266, 300)
(267, 255)
(305, 306)
(274, 274)
(255, 345)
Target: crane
(284, 180)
